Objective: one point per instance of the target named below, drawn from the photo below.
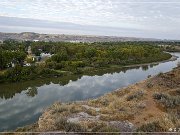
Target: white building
(35, 40)
(45, 56)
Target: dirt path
(150, 112)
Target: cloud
(147, 15)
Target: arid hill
(31, 36)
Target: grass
(91, 112)
(163, 124)
(62, 124)
(64, 108)
(108, 129)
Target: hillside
(30, 36)
(152, 105)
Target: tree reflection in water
(32, 91)
(145, 67)
(9, 90)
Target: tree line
(74, 58)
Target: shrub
(149, 85)
(167, 100)
(162, 124)
(73, 127)
(59, 108)
(108, 129)
(135, 95)
(60, 123)
(74, 109)
(63, 125)
(104, 128)
(151, 127)
(160, 74)
(178, 91)
(91, 112)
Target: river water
(22, 103)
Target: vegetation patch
(63, 125)
(162, 124)
(137, 95)
(167, 100)
(74, 58)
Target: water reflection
(23, 103)
(152, 65)
(32, 91)
(145, 67)
(9, 91)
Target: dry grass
(162, 124)
(65, 108)
(62, 124)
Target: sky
(135, 18)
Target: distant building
(45, 56)
(75, 41)
(35, 40)
(164, 45)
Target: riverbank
(173, 58)
(151, 105)
(22, 74)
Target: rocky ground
(152, 105)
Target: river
(22, 103)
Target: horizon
(153, 39)
(139, 19)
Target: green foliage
(6, 57)
(99, 55)
(76, 58)
(90, 52)
(61, 56)
(19, 73)
(29, 60)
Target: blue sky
(153, 19)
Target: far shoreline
(173, 58)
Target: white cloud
(141, 14)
